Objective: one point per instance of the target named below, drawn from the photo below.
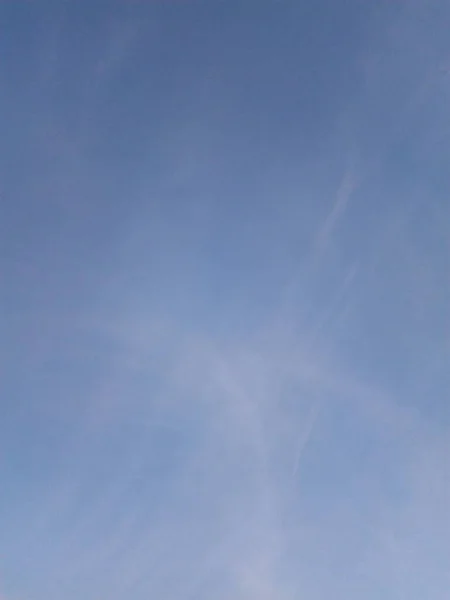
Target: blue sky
(225, 262)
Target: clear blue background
(225, 281)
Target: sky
(225, 280)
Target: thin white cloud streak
(346, 188)
(305, 436)
(337, 303)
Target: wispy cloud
(305, 436)
(344, 193)
(175, 423)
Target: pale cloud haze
(224, 312)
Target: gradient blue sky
(225, 265)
